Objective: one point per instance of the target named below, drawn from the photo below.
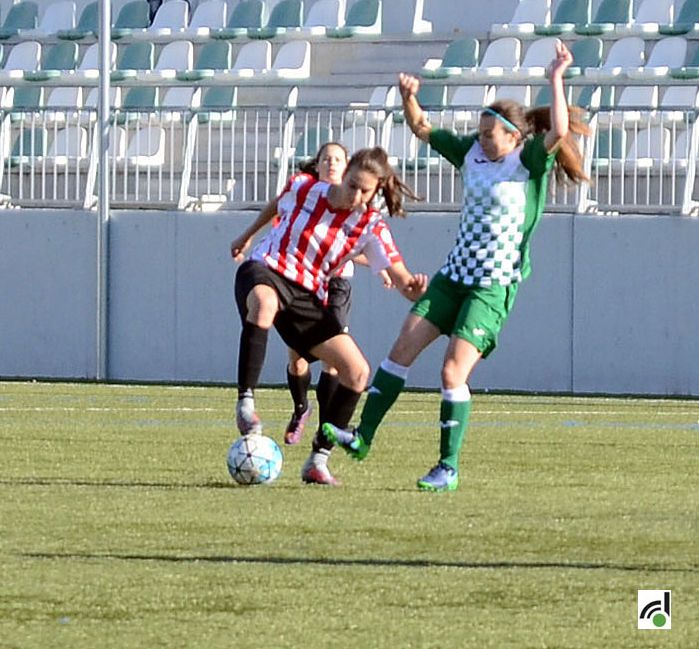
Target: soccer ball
(254, 459)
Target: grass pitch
(119, 526)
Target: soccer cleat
(349, 440)
(246, 418)
(316, 473)
(439, 478)
(294, 430)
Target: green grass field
(120, 527)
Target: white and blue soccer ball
(254, 459)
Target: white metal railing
(637, 160)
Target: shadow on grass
(381, 563)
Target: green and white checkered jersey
(503, 202)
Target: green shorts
(474, 313)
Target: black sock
(298, 386)
(251, 356)
(340, 411)
(327, 384)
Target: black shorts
(340, 299)
(302, 322)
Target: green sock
(383, 393)
(453, 421)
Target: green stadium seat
(134, 15)
(29, 145)
(56, 59)
(688, 71)
(459, 57)
(246, 15)
(587, 53)
(217, 104)
(569, 13)
(57, 15)
(610, 13)
(23, 15)
(285, 16)
(610, 146)
(88, 24)
(363, 18)
(212, 57)
(131, 59)
(687, 21)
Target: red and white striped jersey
(312, 241)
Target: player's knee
(298, 366)
(355, 375)
(452, 375)
(262, 307)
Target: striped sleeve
(380, 249)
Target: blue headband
(508, 124)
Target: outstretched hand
(561, 62)
(416, 286)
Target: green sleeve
(453, 147)
(535, 157)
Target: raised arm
(241, 243)
(559, 105)
(414, 115)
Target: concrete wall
(611, 305)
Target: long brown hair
(569, 161)
(394, 190)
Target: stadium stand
(323, 15)
(685, 22)
(171, 17)
(134, 16)
(648, 18)
(57, 16)
(286, 16)
(568, 14)
(625, 54)
(459, 57)
(587, 53)
(246, 15)
(208, 16)
(501, 58)
(667, 53)
(88, 24)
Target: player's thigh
(343, 353)
(415, 335)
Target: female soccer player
(505, 168)
(285, 284)
(328, 165)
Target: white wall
(611, 305)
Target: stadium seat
(171, 18)
(217, 104)
(568, 14)
(686, 21)
(690, 70)
(404, 17)
(459, 57)
(358, 137)
(145, 146)
(609, 14)
(402, 147)
(501, 58)
(667, 53)
(610, 147)
(679, 104)
(57, 16)
(131, 59)
(650, 147)
(521, 94)
(625, 54)
(309, 142)
(55, 59)
(285, 16)
(543, 96)
(323, 15)
(635, 104)
(363, 18)
(649, 16)
(28, 146)
(212, 57)
(467, 103)
(207, 17)
(253, 59)
(67, 146)
(245, 15)
(527, 15)
(88, 24)
(133, 16)
(587, 53)
(23, 57)
(174, 57)
(374, 111)
(23, 15)
(293, 61)
(538, 57)
(681, 149)
(89, 65)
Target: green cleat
(349, 440)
